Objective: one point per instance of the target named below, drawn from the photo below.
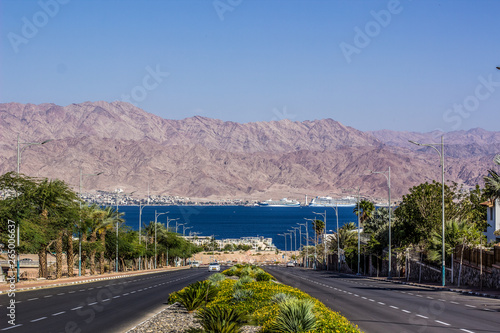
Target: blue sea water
(239, 221)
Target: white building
(493, 219)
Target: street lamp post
(79, 232)
(141, 207)
(184, 230)
(325, 262)
(441, 156)
(316, 245)
(156, 221)
(295, 232)
(359, 230)
(284, 235)
(388, 178)
(19, 152)
(177, 225)
(338, 239)
(307, 244)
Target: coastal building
(493, 219)
(257, 243)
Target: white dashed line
(463, 329)
(48, 296)
(442, 322)
(78, 307)
(406, 311)
(71, 292)
(35, 320)
(454, 302)
(422, 316)
(59, 313)
(419, 295)
(381, 303)
(92, 303)
(60, 294)
(394, 307)
(470, 306)
(32, 299)
(116, 296)
(8, 328)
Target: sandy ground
(251, 257)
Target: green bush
(216, 319)
(242, 295)
(263, 276)
(216, 278)
(194, 295)
(295, 316)
(281, 297)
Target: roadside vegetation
(416, 225)
(52, 219)
(247, 295)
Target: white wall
(493, 218)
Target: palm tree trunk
(42, 258)
(460, 268)
(84, 254)
(59, 245)
(93, 238)
(103, 244)
(70, 259)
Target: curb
(85, 281)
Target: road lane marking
(470, 306)
(71, 292)
(59, 313)
(78, 307)
(48, 296)
(92, 303)
(430, 297)
(90, 288)
(41, 318)
(117, 296)
(32, 299)
(60, 294)
(81, 290)
(419, 295)
(463, 329)
(381, 303)
(8, 328)
(454, 302)
(394, 307)
(442, 322)
(406, 311)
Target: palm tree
(492, 182)
(319, 227)
(366, 209)
(110, 219)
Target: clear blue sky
(262, 60)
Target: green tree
(365, 212)
(492, 182)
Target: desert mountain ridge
(208, 158)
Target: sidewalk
(38, 284)
(491, 293)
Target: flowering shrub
(262, 299)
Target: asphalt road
(380, 306)
(105, 306)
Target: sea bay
(239, 221)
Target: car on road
(195, 264)
(214, 267)
(290, 264)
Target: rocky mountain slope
(208, 158)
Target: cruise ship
(279, 203)
(330, 202)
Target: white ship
(279, 203)
(330, 202)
